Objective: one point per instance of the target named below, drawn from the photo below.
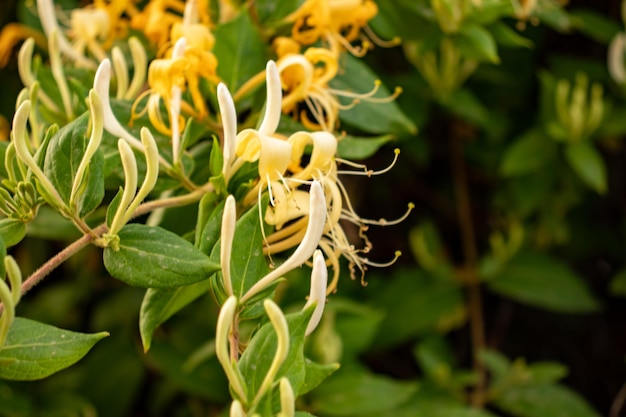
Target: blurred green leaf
(588, 164)
(618, 284)
(152, 257)
(358, 148)
(475, 42)
(509, 37)
(205, 380)
(370, 117)
(542, 400)
(465, 104)
(12, 231)
(159, 304)
(356, 324)
(36, 350)
(595, 25)
(240, 51)
(528, 153)
(359, 392)
(536, 279)
(430, 303)
(272, 12)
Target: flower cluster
(155, 100)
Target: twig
(74, 247)
(470, 254)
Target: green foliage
(510, 122)
(36, 350)
(152, 257)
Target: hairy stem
(470, 267)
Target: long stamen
(368, 172)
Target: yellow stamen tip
(398, 254)
(396, 151)
(411, 206)
(377, 83)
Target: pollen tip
(411, 205)
(377, 83)
(398, 254)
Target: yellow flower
(288, 180)
(12, 34)
(305, 79)
(163, 76)
(337, 22)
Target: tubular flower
(12, 34)
(157, 19)
(163, 76)
(184, 64)
(289, 213)
(286, 177)
(305, 79)
(337, 22)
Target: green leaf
(430, 302)
(257, 358)
(588, 164)
(64, 155)
(507, 36)
(369, 117)
(153, 257)
(315, 373)
(542, 400)
(159, 304)
(12, 231)
(430, 402)
(538, 280)
(271, 12)
(240, 51)
(209, 222)
(528, 153)
(358, 148)
(205, 380)
(357, 325)
(360, 392)
(464, 104)
(595, 25)
(618, 284)
(36, 350)
(475, 42)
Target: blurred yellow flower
(336, 22)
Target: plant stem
(470, 268)
(74, 247)
(234, 340)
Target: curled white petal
(101, 84)
(273, 105)
(45, 9)
(229, 220)
(314, 230)
(224, 323)
(229, 121)
(287, 398)
(279, 322)
(319, 279)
